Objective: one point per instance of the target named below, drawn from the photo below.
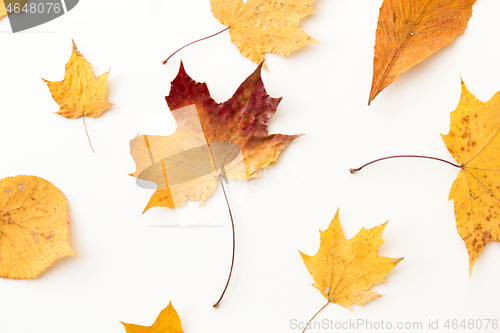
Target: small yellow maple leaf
(168, 321)
(33, 226)
(260, 26)
(474, 141)
(80, 93)
(344, 270)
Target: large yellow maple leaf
(344, 270)
(261, 26)
(168, 321)
(80, 93)
(474, 142)
(34, 228)
(409, 31)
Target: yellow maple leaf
(474, 141)
(168, 321)
(344, 270)
(212, 141)
(80, 93)
(33, 226)
(260, 26)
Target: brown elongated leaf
(168, 321)
(409, 31)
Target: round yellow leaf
(34, 230)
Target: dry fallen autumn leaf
(409, 31)
(81, 93)
(474, 141)
(34, 229)
(257, 27)
(261, 26)
(344, 270)
(168, 321)
(212, 142)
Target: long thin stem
(398, 156)
(234, 246)
(198, 40)
(324, 306)
(88, 137)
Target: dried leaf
(344, 270)
(261, 26)
(212, 141)
(168, 321)
(3, 10)
(34, 229)
(409, 31)
(474, 141)
(80, 93)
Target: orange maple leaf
(212, 141)
(261, 26)
(409, 31)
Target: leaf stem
(88, 137)
(398, 156)
(198, 40)
(234, 246)
(324, 306)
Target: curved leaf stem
(198, 40)
(398, 156)
(234, 246)
(324, 306)
(88, 137)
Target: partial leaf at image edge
(167, 321)
(80, 93)
(474, 142)
(260, 26)
(34, 226)
(409, 31)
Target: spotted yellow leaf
(261, 26)
(34, 229)
(474, 142)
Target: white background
(130, 266)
